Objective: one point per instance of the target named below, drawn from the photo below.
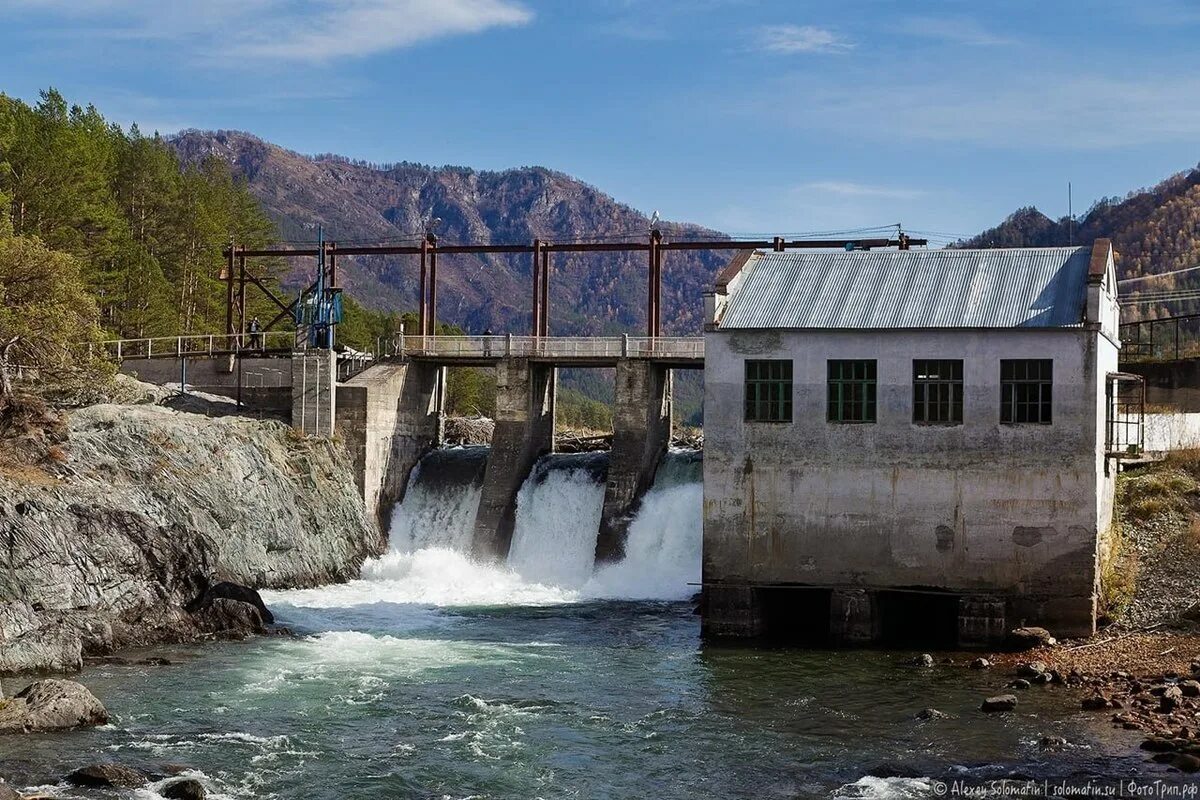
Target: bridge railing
(450, 347)
(194, 345)
(562, 347)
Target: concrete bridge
(388, 408)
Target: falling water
(439, 506)
(558, 517)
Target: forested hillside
(147, 232)
(1154, 230)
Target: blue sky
(745, 115)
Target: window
(937, 392)
(1025, 386)
(852, 391)
(769, 391)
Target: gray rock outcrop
(51, 705)
(151, 511)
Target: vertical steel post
(545, 292)
(229, 290)
(535, 319)
(332, 265)
(421, 306)
(654, 263)
(658, 261)
(241, 296)
(432, 285)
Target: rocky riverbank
(138, 527)
(1143, 668)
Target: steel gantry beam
(540, 250)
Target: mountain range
(356, 202)
(1154, 230)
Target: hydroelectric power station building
(908, 440)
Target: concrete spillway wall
(391, 414)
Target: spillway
(552, 557)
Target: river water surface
(435, 677)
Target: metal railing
(196, 345)
(1125, 415)
(563, 347)
(584, 348)
(1164, 339)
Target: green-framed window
(1026, 390)
(851, 391)
(769, 390)
(937, 391)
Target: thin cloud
(277, 30)
(1072, 113)
(851, 189)
(792, 39)
(956, 30)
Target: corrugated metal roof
(1019, 288)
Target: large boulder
(108, 776)
(1031, 669)
(184, 789)
(51, 705)
(230, 618)
(233, 591)
(1001, 702)
(1027, 638)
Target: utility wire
(1157, 275)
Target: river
(436, 677)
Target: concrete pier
(641, 434)
(731, 612)
(981, 621)
(388, 417)
(525, 394)
(853, 620)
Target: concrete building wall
(1166, 432)
(985, 508)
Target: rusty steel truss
(238, 277)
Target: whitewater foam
(662, 551)
(551, 560)
(558, 515)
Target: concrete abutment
(388, 417)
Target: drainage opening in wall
(917, 618)
(794, 615)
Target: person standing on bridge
(487, 342)
(255, 334)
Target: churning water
(435, 676)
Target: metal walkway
(583, 351)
